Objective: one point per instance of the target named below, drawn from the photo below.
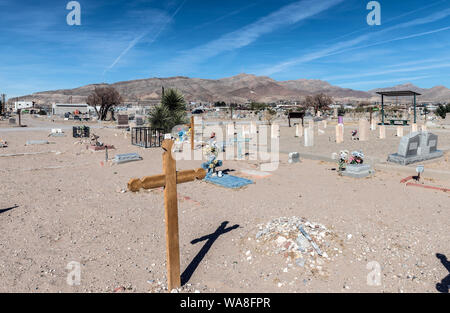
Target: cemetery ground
(63, 205)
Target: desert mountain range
(238, 89)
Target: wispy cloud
(351, 44)
(393, 71)
(385, 81)
(224, 16)
(287, 15)
(135, 41)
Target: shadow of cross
(210, 239)
(444, 285)
(8, 209)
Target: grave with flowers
(352, 165)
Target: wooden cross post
(192, 133)
(169, 181)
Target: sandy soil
(67, 206)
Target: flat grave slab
(358, 170)
(126, 157)
(229, 181)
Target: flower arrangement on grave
(357, 157)
(212, 152)
(343, 159)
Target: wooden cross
(169, 181)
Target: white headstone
(230, 130)
(399, 131)
(382, 132)
(275, 131)
(245, 130)
(363, 130)
(309, 137)
(373, 125)
(339, 133)
(298, 130)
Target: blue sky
(135, 39)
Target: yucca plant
(171, 111)
(173, 101)
(160, 117)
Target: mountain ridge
(240, 88)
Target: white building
(63, 108)
(22, 105)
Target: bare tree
(270, 115)
(106, 98)
(319, 102)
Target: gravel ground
(66, 206)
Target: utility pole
(3, 106)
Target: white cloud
(393, 71)
(348, 45)
(384, 81)
(135, 41)
(287, 15)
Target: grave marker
(373, 125)
(339, 133)
(192, 133)
(399, 131)
(382, 132)
(309, 137)
(363, 130)
(169, 180)
(122, 120)
(275, 131)
(294, 157)
(230, 130)
(416, 147)
(298, 130)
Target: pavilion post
(415, 113)
(382, 109)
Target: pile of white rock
(306, 243)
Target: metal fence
(80, 131)
(146, 137)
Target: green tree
(255, 106)
(173, 101)
(171, 111)
(441, 111)
(159, 117)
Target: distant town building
(21, 105)
(63, 108)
